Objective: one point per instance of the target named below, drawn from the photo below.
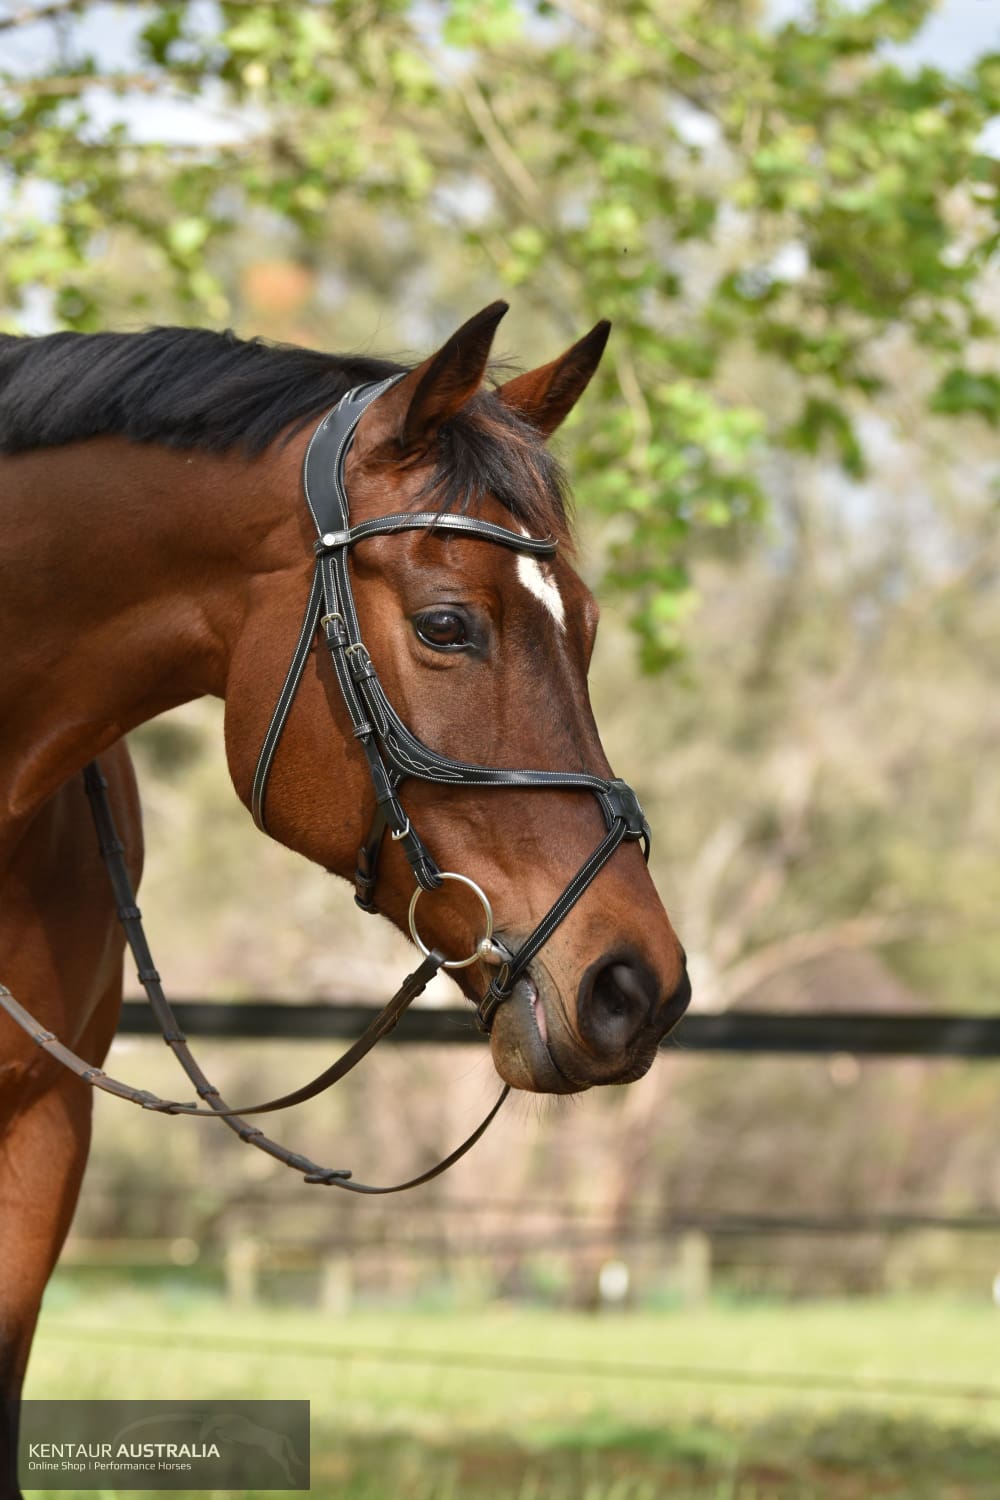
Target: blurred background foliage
(764, 212)
(787, 476)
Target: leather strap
(503, 982)
(131, 919)
(285, 699)
(432, 520)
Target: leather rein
(393, 754)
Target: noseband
(393, 752)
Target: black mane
(195, 388)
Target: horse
(155, 549)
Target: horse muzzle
(609, 1035)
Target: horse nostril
(615, 1002)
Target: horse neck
(131, 569)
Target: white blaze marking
(544, 587)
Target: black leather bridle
(393, 753)
(392, 750)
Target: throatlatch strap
(285, 699)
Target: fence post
(694, 1266)
(241, 1263)
(336, 1283)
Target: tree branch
(787, 953)
(604, 24)
(28, 14)
(69, 84)
(794, 770)
(707, 869)
(503, 154)
(628, 382)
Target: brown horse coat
(155, 548)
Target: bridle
(393, 754)
(392, 750)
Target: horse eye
(442, 628)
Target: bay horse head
(156, 480)
(460, 670)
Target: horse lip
(537, 1010)
(539, 1023)
(520, 1033)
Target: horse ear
(412, 411)
(544, 397)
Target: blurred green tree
(759, 208)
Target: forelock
(488, 451)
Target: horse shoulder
(60, 941)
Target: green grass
(396, 1428)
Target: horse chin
(519, 1043)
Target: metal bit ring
(454, 963)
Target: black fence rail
(863, 1033)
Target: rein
(393, 754)
(130, 917)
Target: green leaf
(822, 421)
(962, 391)
(185, 236)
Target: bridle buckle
(359, 662)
